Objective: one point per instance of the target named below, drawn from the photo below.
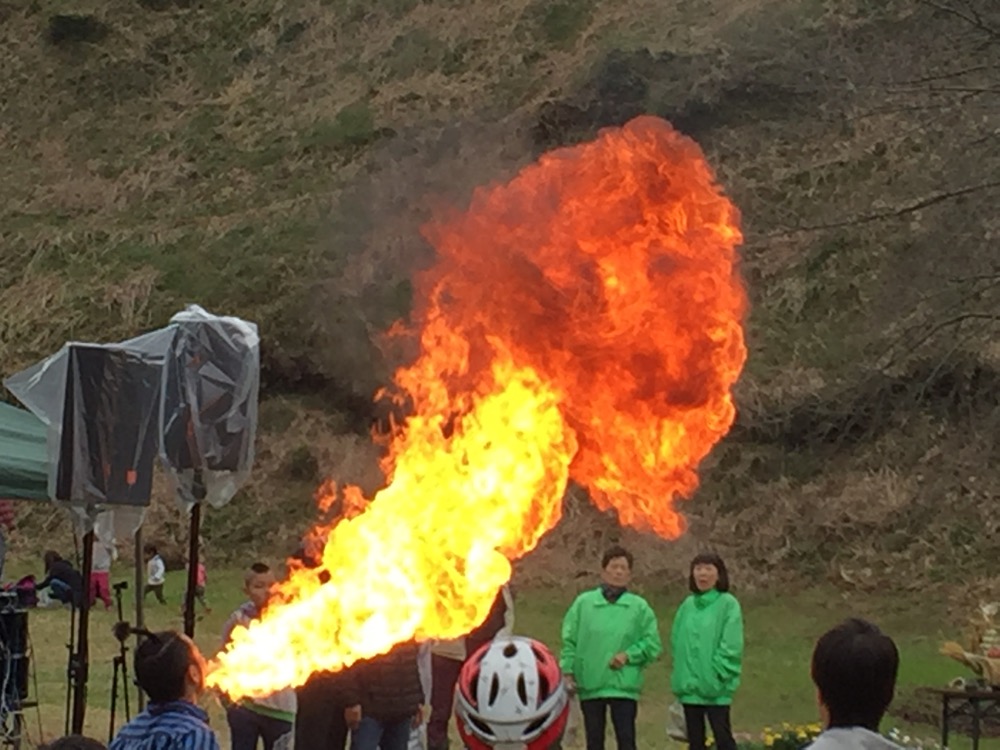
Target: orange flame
(582, 320)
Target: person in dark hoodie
(321, 714)
(385, 699)
(854, 667)
(62, 579)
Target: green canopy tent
(24, 464)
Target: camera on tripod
(120, 586)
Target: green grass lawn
(780, 630)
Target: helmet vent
(522, 690)
(510, 651)
(494, 691)
(536, 725)
(544, 689)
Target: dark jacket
(62, 570)
(387, 687)
(492, 625)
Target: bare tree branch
(890, 214)
(938, 327)
(970, 17)
(941, 77)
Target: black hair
(150, 548)
(74, 742)
(161, 665)
(616, 552)
(260, 568)
(709, 558)
(854, 666)
(50, 558)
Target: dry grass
(276, 161)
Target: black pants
(718, 717)
(246, 727)
(157, 590)
(319, 720)
(623, 711)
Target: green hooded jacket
(707, 643)
(594, 630)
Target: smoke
(373, 248)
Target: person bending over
(62, 579)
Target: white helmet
(511, 692)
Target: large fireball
(582, 321)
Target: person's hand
(352, 716)
(619, 660)
(570, 683)
(418, 718)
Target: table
(977, 704)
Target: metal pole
(82, 641)
(192, 571)
(139, 600)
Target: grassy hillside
(275, 160)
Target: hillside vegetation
(275, 160)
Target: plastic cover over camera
(211, 381)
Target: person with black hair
(609, 636)
(171, 671)
(707, 643)
(322, 704)
(385, 698)
(74, 742)
(270, 718)
(62, 579)
(854, 667)
(447, 658)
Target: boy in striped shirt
(171, 671)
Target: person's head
(257, 583)
(50, 558)
(74, 742)
(616, 566)
(708, 572)
(854, 666)
(149, 551)
(169, 667)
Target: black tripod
(120, 663)
(73, 665)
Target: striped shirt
(177, 725)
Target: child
(271, 718)
(171, 671)
(201, 580)
(156, 573)
(100, 575)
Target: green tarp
(23, 455)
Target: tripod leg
(70, 669)
(128, 712)
(114, 701)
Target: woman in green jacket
(707, 643)
(609, 636)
